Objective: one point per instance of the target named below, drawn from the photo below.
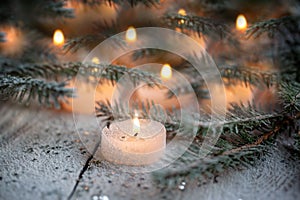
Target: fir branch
(237, 145)
(232, 75)
(290, 97)
(283, 26)
(109, 114)
(201, 25)
(133, 3)
(111, 73)
(148, 3)
(203, 169)
(249, 76)
(56, 9)
(231, 152)
(44, 70)
(90, 41)
(29, 89)
(75, 44)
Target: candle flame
(241, 23)
(183, 13)
(95, 60)
(58, 38)
(136, 125)
(131, 34)
(166, 71)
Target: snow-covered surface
(42, 157)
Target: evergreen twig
(283, 26)
(57, 9)
(28, 89)
(71, 69)
(201, 25)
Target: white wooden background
(42, 157)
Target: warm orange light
(241, 23)
(183, 13)
(15, 41)
(166, 71)
(95, 60)
(131, 34)
(136, 124)
(58, 38)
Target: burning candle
(183, 13)
(241, 23)
(131, 34)
(158, 94)
(58, 38)
(133, 142)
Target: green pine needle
(29, 89)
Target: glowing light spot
(136, 125)
(58, 38)
(183, 13)
(131, 34)
(166, 71)
(95, 60)
(241, 23)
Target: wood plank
(40, 153)
(276, 176)
(42, 156)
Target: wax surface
(120, 145)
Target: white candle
(133, 142)
(159, 95)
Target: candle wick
(136, 134)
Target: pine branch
(56, 9)
(290, 97)
(90, 41)
(286, 30)
(232, 75)
(75, 44)
(29, 89)
(44, 70)
(133, 3)
(108, 114)
(201, 25)
(284, 26)
(111, 73)
(236, 147)
(207, 168)
(148, 3)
